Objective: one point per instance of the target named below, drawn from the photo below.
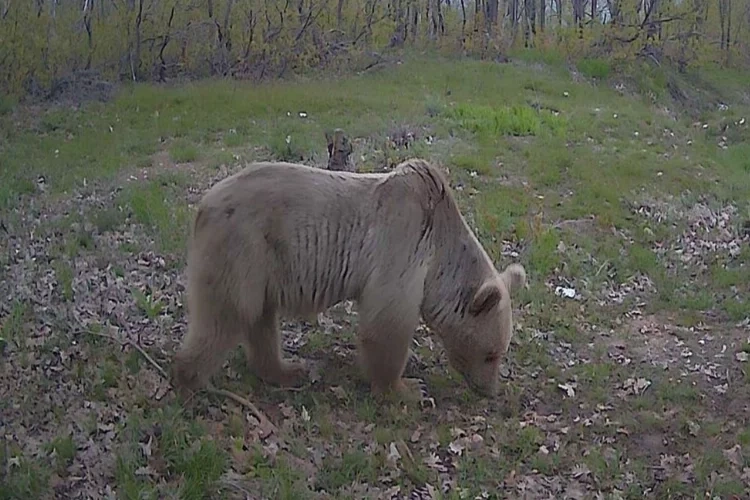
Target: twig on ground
(290, 389)
(234, 480)
(134, 345)
(265, 423)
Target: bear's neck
(459, 266)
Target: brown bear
(287, 240)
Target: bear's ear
(487, 297)
(514, 277)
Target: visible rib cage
(319, 270)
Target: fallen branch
(290, 389)
(135, 346)
(265, 423)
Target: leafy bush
(594, 68)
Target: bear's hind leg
(210, 336)
(262, 345)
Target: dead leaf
(734, 455)
(569, 389)
(339, 392)
(286, 410)
(393, 455)
(575, 491)
(146, 447)
(693, 428)
(456, 447)
(476, 441)
(415, 436)
(580, 470)
(145, 471)
(457, 432)
(105, 427)
(433, 462)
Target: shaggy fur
(280, 239)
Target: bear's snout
(484, 384)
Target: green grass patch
(13, 325)
(355, 465)
(159, 206)
(190, 460)
(276, 478)
(183, 151)
(64, 450)
(498, 211)
(24, 479)
(490, 122)
(594, 68)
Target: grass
(590, 188)
(157, 207)
(64, 450)
(488, 122)
(183, 151)
(594, 68)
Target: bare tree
(87, 8)
(463, 21)
(542, 14)
(513, 15)
(491, 13)
(725, 20)
(529, 21)
(578, 13)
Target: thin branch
(265, 423)
(135, 346)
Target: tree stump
(339, 151)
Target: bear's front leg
(383, 361)
(388, 316)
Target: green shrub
(594, 68)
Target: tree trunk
(441, 19)
(526, 22)
(722, 21)
(463, 21)
(729, 27)
(513, 12)
(477, 9)
(490, 15)
(339, 14)
(542, 14)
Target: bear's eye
(491, 357)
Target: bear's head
(484, 337)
